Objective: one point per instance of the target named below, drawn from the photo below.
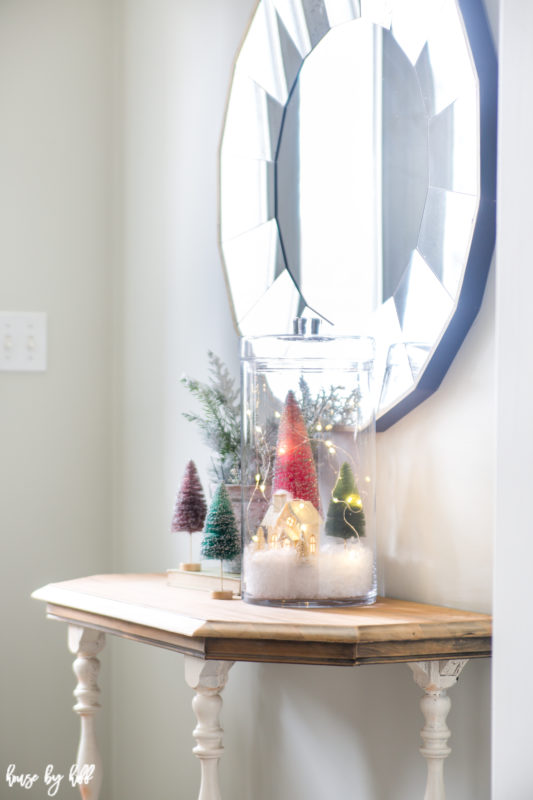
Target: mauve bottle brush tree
(189, 510)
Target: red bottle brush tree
(190, 507)
(294, 466)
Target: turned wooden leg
(207, 678)
(435, 677)
(86, 643)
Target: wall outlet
(22, 341)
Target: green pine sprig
(333, 406)
(219, 420)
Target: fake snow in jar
(308, 448)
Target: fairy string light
(320, 414)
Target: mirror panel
(248, 186)
(377, 11)
(259, 247)
(404, 163)
(354, 162)
(422, 303)
(293, 18)
(255, 135)
(279, 305)
(446, 233)
(340, 11)
(325, 177)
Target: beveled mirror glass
(358, 178)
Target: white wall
(54, 427)
(513, 648)
(175, 64)
(127, 317)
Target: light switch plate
(23, 341)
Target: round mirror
(358, 178)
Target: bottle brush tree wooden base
(222, 594)
(190, 566)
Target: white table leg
(435, 677)
(86, 643)
(207, 678)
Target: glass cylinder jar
(308, 447)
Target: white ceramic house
(297, 525)
(277, 502)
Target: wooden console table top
(145, 609)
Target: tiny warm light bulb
(248, 412)
(303, 527)
(319, 427)
(258, 428)
(277, 414)
(368, 479)
(329, 443)
(329, 426)
(281, 451)
(257, 478)
(262, 488)
(349, 499)
(255, 539)
(332, 450)
(302, 505)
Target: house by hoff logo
(77, 776)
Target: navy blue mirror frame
(484, 236)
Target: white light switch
(22, 341)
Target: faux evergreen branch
(333, 407)
(219, 421)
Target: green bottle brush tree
(345, 517)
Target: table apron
(281, 651)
